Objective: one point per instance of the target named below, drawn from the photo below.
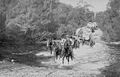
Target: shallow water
(100, 60)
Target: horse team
(64, 47)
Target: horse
(76, 43)
(92, 43)
(88, 41)
(68, 51)
(57, 50)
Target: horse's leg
(55, 56)
(77, 44)
(60, 54)
(89, 42)
(63, 59)
(83, 42)
(63, 56)
(50, 49)
(92, 43)
(68, 59)
(66, 54)
(71, 55)
(80, 43)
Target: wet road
(100, 61)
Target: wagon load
(83, 32)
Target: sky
(97, 5)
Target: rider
(50, 44)
(63, 41)
(69, 40)
(68, 52)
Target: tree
(25, 19)
(5, 5)
(109, 21)
(32, 15)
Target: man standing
(50, 44)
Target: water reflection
(101, 60)
(113, 70)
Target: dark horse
(76, 44)
(50, 45)
(68, 51)
(57, 50)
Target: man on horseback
(68, 51)
(57, 50)
(50, 45)
(76, 42)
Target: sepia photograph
(59, 38)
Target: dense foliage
(28, 21)
(109, 21)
